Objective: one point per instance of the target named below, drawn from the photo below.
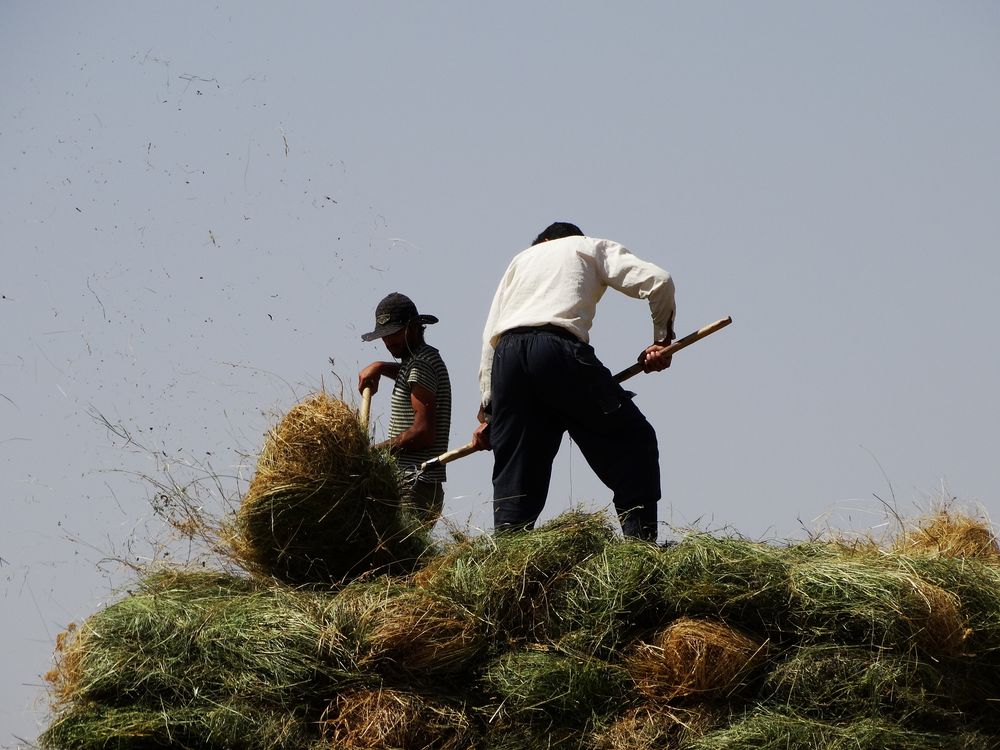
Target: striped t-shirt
(425, 367)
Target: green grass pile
(565, 637)
(742, 582)
(840, 682)
(612, 595)
(230, 725)
(186, 636)
(976, 584)
(769, 730)
(194, 655)
(403, 634)
(544, 684)
(862, 600)
(511, 581)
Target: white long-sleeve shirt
(560, 282)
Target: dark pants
(546, 383)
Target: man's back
(559, 282)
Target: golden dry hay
(323, 505)
(693, 657)
(65, 676)
(950, 534)
(368, 719)
(417, 633)
(944, 631)
(437, 567)
(654, 727)
(317, 438)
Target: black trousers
(546, 382)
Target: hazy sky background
(200, 203)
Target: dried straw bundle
(323, 505)
(384, 628)
(417, 634)
(375, 719)
(241, 726)
(654, 727)
(511, 580)
(566, 688)
(835, 682)
(705, 658)
(949, 534)
(867, 601)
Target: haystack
(370, 719)
(418, 635)
(949, 533)
(771, 730)
(842, 682)
(511, 580)
(545, 684)
(323, 505)
(745, 583)
(653, 727)
(694, 657)
(975, 583)
(610, 596)
(868, 601)
(404, 634)
(201, 724)
(566, 638)
(181, 638)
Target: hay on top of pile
(323, 505)
(532, 640)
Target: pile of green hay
(323, 505)
(511, 581)
(564, 637)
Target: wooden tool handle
(677, 346)
(450, 456)
(366, 405)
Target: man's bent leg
(622, 450)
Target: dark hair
(557, 231)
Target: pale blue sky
(200, 203)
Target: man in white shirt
(539, 377)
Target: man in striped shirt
(420, 420)
(539, 377)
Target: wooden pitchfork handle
(635, 369)
(366, 405)
(448, 457)
(679, 344)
